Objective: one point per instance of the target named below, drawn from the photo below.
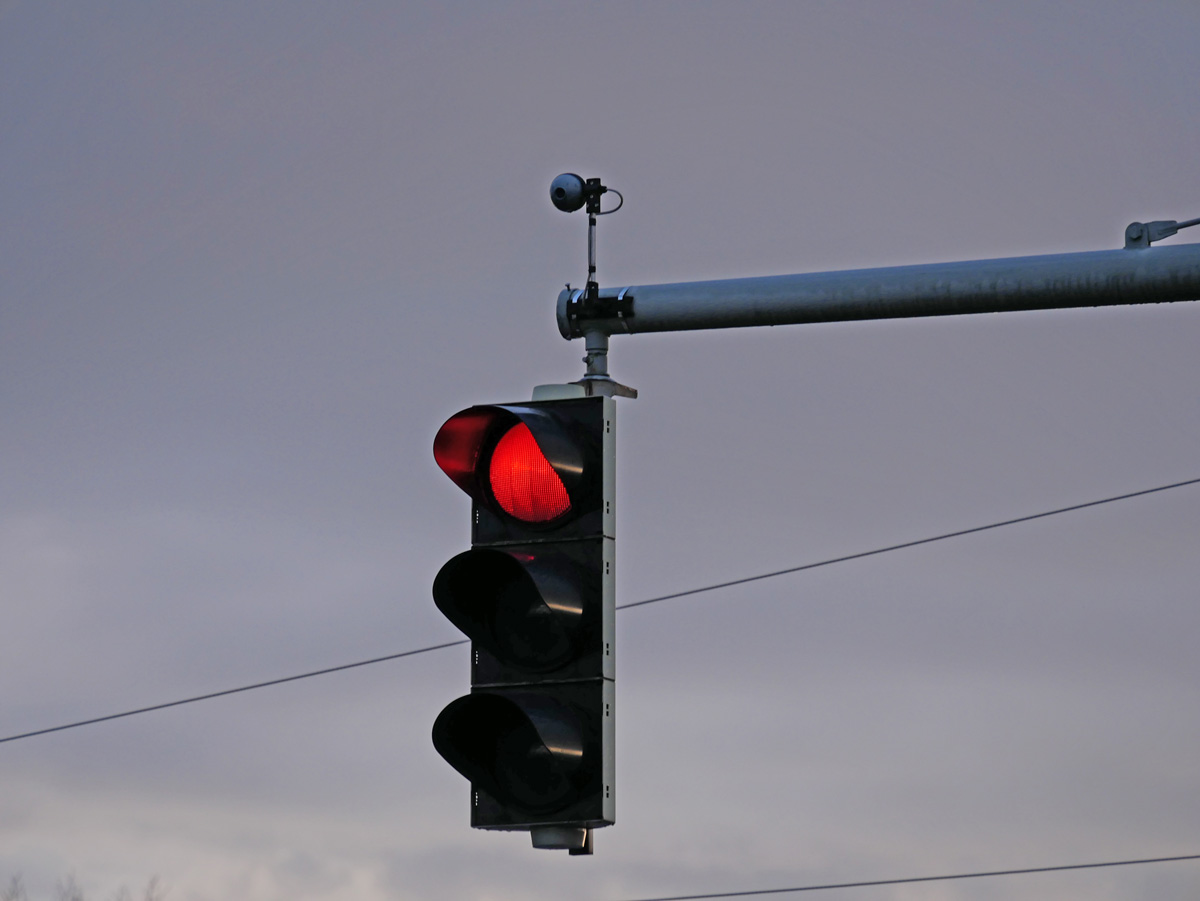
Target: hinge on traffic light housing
(586, 305)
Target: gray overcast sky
(252, 255)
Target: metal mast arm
(1094, 279)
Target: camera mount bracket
(568, 193)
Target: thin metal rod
(591, 248)
(1099, 278)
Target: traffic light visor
(526, 611)
(521, 461)
(458, 443)
(524, 749)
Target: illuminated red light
(523, 482)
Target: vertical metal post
(568, 192)
(595, 343)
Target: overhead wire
(905, 544)
(233, 691)
(912, 879)
(654, 600)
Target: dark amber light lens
(523, 482)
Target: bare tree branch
(15, 890)
(68, 889)
(155, 890)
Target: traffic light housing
(535, 595)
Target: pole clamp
(586, 305)
(1143, 234)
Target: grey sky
(253, 255)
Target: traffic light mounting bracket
(569, 193)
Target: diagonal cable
(233, 691)
(654, 600)
(911, 879)
(905, 544)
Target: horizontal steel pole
(1100, 278)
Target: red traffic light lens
(522, 480)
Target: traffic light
(535, 595)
